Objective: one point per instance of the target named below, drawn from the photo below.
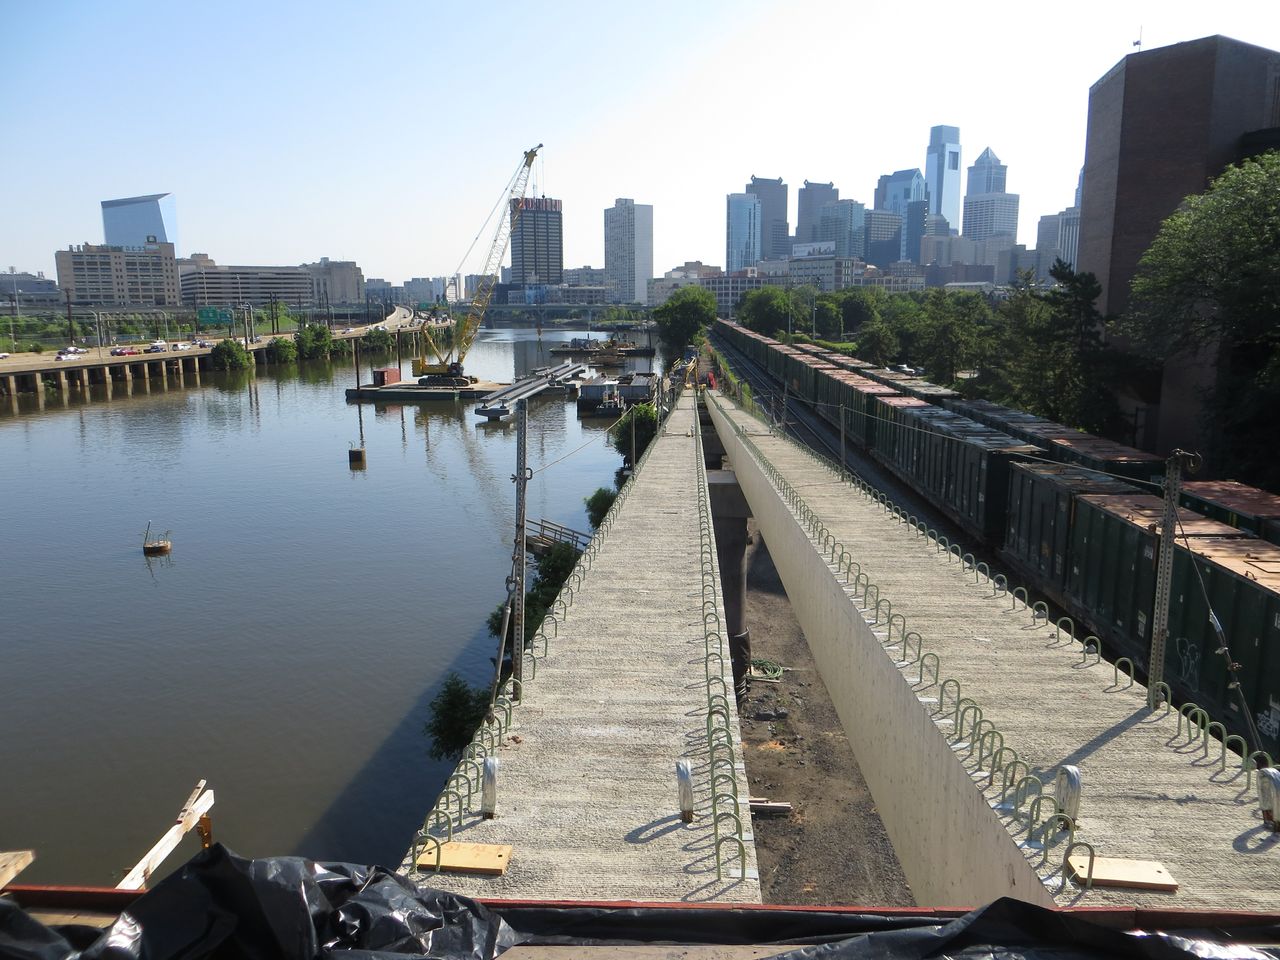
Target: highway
(21, 363)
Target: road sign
(224, 316)
(208, 314)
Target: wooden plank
(774, 808)
(1117, 872)
(490, 859)
(12, 863)
(195, 807)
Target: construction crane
(444, 348)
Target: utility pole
(71, 328)
(843, 462)
(521, 479)
(1164, 577)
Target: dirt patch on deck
(833, 848)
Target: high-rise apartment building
(989, 211)
(628, 250)
(742, 231)
(811, 198)
(537, 241)
(843, 222)
(144, 275)
(942, 173)
(775, 229)
(137, 221)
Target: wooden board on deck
(12, 863)
(490, 859)
(1115, 872)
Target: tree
(315, 342)
(598, 505)
(947, 333)
(281, 350)
(643, 419)
(877, 343)
(687, 312)
(1209, 287)
(230, 355)
(377, 339)
(1212, 275)
(766, 310)
(456, 711)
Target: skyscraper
(896, 192)
(775, 229)
(942, 173)
(988, 210)
(537, 241)
(884, 237)
(844, 223)
(811, 198)
(628, 250)
(742, 231)
(137, 221)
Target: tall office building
(537, 241)
(775, 229)
(988, 210)
(896, 192)
(137, 221)
(811, 198)
(628, 250)
(843, 222)
(1162, 124)
(742, 232)
(884, 237)
(942, 173)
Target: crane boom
(449, 356)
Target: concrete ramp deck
(587, 790)
(1147, 794)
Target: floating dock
(409, 391)
(499, 403)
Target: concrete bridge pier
(729, 514)
(9, 385)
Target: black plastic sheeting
(219, 905)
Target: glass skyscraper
(137, 221)
(742, 232)
(942, 173)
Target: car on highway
(124, 351)
(204, 343)
(73, 351)
(4, 356)
(156, 347)
(65, 356)
(182, 346)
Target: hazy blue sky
(384, 131)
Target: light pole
(17, 308)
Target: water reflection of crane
(444, 348)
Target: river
(288, 648)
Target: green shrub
(375, 339)
(230, 355)
(315, 342)
(281, 350)
(644, 417)
(36, 347)
(598, 505)
(456, 711)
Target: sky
(384, 131)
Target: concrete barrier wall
(953, 848)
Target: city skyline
(362, 167)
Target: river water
(287, 650)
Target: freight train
(1078, 517)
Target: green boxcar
(1242, 578)
(1237, 505)
(1041, 511)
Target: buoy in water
(355, 458)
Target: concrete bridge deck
(1147, 793)
(587, 791)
